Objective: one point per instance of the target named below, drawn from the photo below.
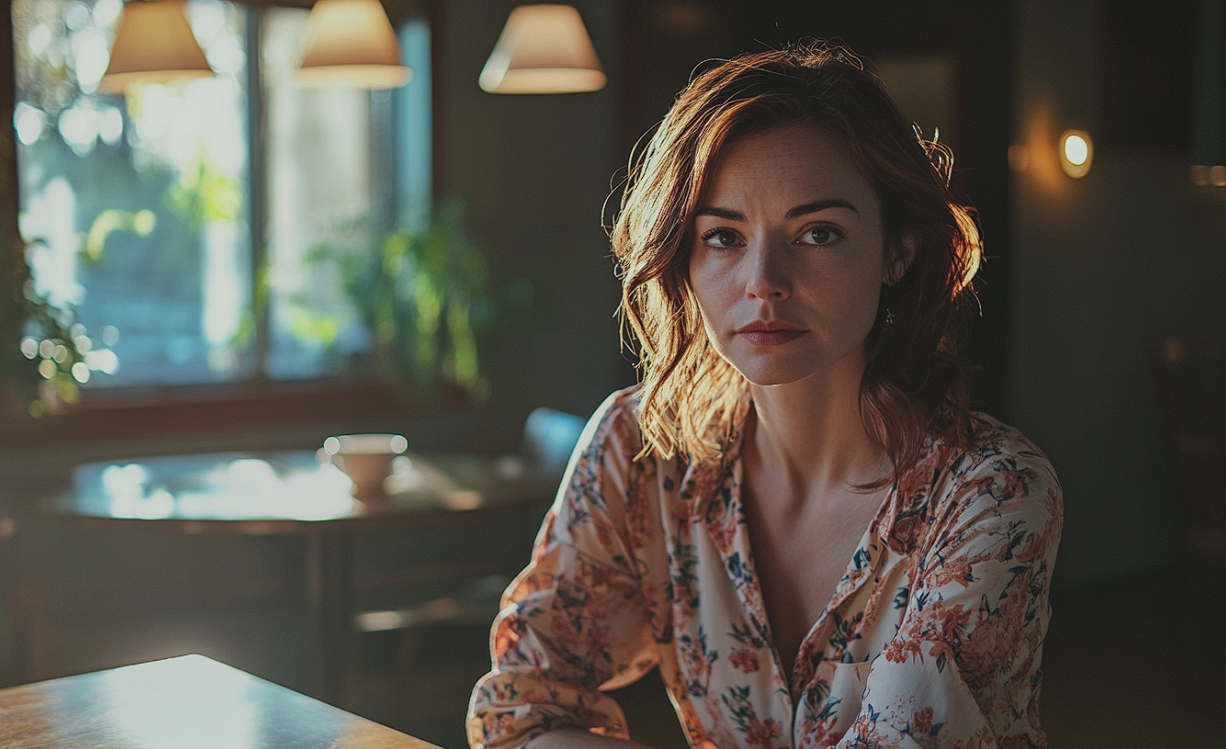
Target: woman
(794, 515)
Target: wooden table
(296, 493)
(189, 702)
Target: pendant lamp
(543, 49)
(154, 44)
(351, 44)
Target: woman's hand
(577, 738)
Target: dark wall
(533, 173)
(1106, 267)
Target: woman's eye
(820, 235)
(720, 238)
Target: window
(182, 222)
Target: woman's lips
(770, 337)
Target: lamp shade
(154, 44)
(543, 49)
(351, 44)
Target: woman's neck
(811, 430)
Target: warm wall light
(1019, 157)
(154, 44)
(1076, 153)
(1205, 176)
(543, 49)
(351, 44)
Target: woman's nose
(768, 274)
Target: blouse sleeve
(575, 620)
(963, 669)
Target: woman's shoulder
(613, 429)
(995, 443)
(998, 474)
(1000, 469)
(619, 409)
(623, 403)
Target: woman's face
(787, 256)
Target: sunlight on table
(209, 708)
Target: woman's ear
(898, 260)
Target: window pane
(321, 193)
(413, 136)
(136, 209)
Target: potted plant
(423, 293)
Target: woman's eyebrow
(800, 210)
(720, 213)
(821, 205)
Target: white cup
(366, 459)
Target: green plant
(40, 368)
(45, 348)
(423, 292)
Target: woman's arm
(576, 619)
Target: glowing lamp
(1204, 176)
(543, 49)
(351, 44)
(1076, 153)
(154, 44)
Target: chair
(472, 589)
(476, 602)
(549, 438)
(1192, 381)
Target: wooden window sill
(229, 414)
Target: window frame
(244, 414)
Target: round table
(297, 493)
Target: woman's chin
(803, 374)
(771, 376)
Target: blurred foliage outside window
(137, 211)
(424, 294)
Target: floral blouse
(933, 637)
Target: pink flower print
(745, 660)
(761, 732)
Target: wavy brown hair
(914, 382)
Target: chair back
(549, 438)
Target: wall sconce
(543, 49)
(351, 44)
(1076, 153)
(154, 44)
